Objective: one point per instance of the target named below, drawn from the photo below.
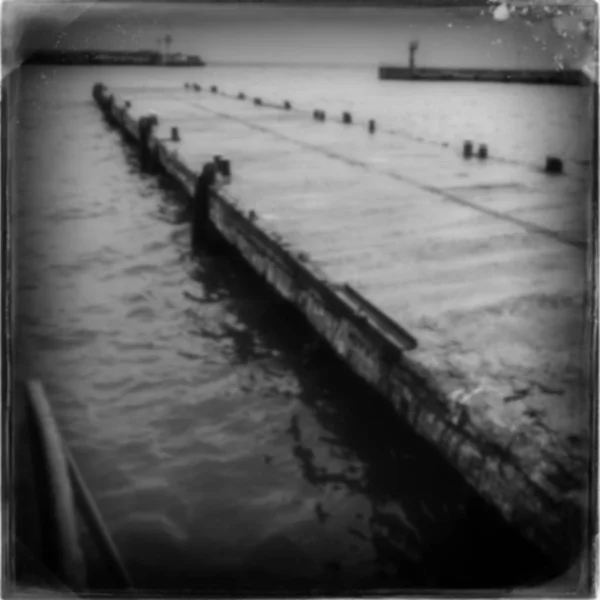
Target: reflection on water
(225, 446)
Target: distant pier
(548, 77)
(116, 58)
(532, 76)
(447, 281)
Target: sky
(276, 32)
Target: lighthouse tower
(414, 46)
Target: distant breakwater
(563, 77)
(104, 57)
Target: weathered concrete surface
(485, 266)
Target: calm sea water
(223, 445)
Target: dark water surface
(224, 446)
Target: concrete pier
(454, 287)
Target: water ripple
(216, 439)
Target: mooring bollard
(143, 129)
(108, 104)
(201, 203)
(153, 160)
(468, 149)
(287, 105)
(242, 96)
(316, 115)
(127, 104)
(225, 168)
(175, 134)
(347, 118)
(197, 87)
(147, 157)
(482, 152)
(214, 89)
(257, 101)
(98, 93)
(554, 165)
(372, 126)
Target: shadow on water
(427, 528)
(419, 541)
